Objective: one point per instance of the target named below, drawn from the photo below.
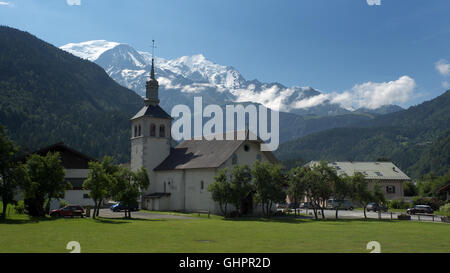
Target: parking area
(360, 214)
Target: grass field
(21, 234)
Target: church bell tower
(150, 132)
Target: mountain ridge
(188, 76)
(48, 95)
(416, 139)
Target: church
(179, 176)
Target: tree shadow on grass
(307, 219)
(27, 220)
(283, 219)
(123, 220)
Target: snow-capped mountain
(89, 50)
(183, 78)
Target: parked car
(343, 204)
(281, 205)
(70, 210)
(376, 207)
(119, 207)
(420, 209)
(293, 206)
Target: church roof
(195, 154)
(152, 111)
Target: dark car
(281, 205)
(376, 207)
(420, 209)
(119, 207)
(70, 210)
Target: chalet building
(75, 164)
(385, 174)
(180, 176)
(445, 189)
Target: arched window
(234, 159)
(152, 129)
(139, 130)
(135, 131)
(162, 130)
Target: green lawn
(20, 234)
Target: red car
(71, 210)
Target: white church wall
(196, 197)
(174, 181)
(246, 157)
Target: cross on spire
(153, 48)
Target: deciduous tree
(341, 190)
(128, 186)
(360, 191)
(100, 180)
(13, 175)
(221, 190)
(297, 184)
(46, 181)
(267, 182)
(240, 184)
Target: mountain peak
(89, 50)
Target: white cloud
(5, 4)
(311, 101)
(344, 99)
(271, 97)
(196, 87)
(373, 95)
(369, 95)
(443, 67)
(446, 84)
(73, 2)
(167, 83)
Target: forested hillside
(417, 140)
(48, 95)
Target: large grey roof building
(386, 174)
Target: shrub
(398, 204)
(445, 208)
(20, 207)
(62, 204)
(433, 202)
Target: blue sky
(331, 45)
